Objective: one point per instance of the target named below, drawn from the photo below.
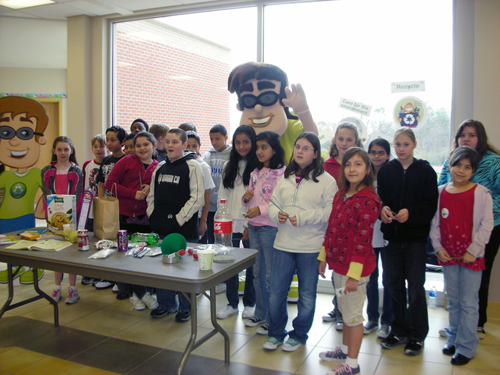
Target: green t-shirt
(20, 191)
(293, 130)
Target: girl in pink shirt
(63, 176)
(261, 230)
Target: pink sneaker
(344, 369)
(73, 296)
(56, 295)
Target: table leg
(46, 296)
(213, 316)
(194, 331)
(10, 281)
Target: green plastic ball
(173, 243)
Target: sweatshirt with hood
(415, 189)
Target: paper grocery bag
(106, 217)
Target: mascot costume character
(22, 124)
(265, 101)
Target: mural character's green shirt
(20, 190)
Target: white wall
(487, 88)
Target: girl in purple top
(261, 230)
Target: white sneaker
(56, 295)
(384, 331)
(339, 325)
(104, 284)
(330, 317)
(226, 312)
(291, 345)
(442, 333)
(137, 304)
(272, 343)
(248, 312)
(149, 301)
(263, 329)
(254, 321)
(220, 288)
(369, 327)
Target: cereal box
(61, 209)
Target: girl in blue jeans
(301, 204)
(261, 230)
(460, 231)
(380, 153)
(235, 179)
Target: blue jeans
(262, 239)
(405, 261)
(284, 266)
(233, 284)
(462, 286)
(166, 298)
(372, 293)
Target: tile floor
(101, 335)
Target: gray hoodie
(216, 160)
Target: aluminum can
(83, 240)
(122, 240)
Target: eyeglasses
(6, 132)
(305, 148)
(265, 99)
(379, 153)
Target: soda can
(83, 240)
(122, 240)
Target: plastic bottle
(432, 297)
(223, 225)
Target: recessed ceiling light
(20, 4)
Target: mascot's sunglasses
(265, 99)
(6, 132)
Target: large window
(174, 69)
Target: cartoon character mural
(265, 99)
(22, 124)
(409, 115)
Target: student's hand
(293, 220)
(253, 212)
(402, 215)
(321, 269)
(146, 188)
(202, 227)
(282, 217)
(386, 215)
(245, 234)
(468, 258)
(248, 195)
(443, 256)
(351, 285)
(296, 98)
(139, 195)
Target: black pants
(490, 253)
(405, 261)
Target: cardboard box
(61, 209)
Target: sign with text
(353, 106)
(408, 86)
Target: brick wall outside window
(166, 75)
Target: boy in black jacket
(175, 197)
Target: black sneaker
(121, 296)
(86, 280)
(392, 341)
(182, 316)
(414, 347)
(160, 313)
